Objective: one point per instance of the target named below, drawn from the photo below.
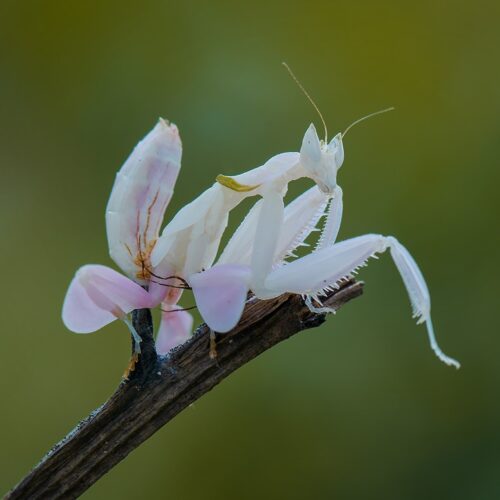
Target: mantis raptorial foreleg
(300, 217)
(267, 235)
(333, 220)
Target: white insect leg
(300, 218)
(315, 309)
(333, 220)
(318, 272)
(135, 335)
(418, 293)
(212, 353)
(267, 234)
(328, 237)
(239, 248)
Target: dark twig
(158, 388)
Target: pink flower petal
(175, 329)
(220, 294)
(97, 296)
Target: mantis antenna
(301, 87)
(366, 118)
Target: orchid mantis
(255, 258)
(188, 245)
(272, 231)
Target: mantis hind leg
(321, 271)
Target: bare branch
(161, 387)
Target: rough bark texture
(158, 388)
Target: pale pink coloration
(220, 294)
(141, 192)
(176, 324)
(175, 329)
(157, 286)
(98, 295)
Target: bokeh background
(359, 408)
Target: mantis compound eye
(337, 149)
(310, 151)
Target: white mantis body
(255, 257)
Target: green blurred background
(357, 409)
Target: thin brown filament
(359, 120)
(181, 287)
(301, 87)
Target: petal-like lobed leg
(220, 294)
(320, 271)
(98, 295)
(175, 328)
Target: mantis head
(322, 160)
